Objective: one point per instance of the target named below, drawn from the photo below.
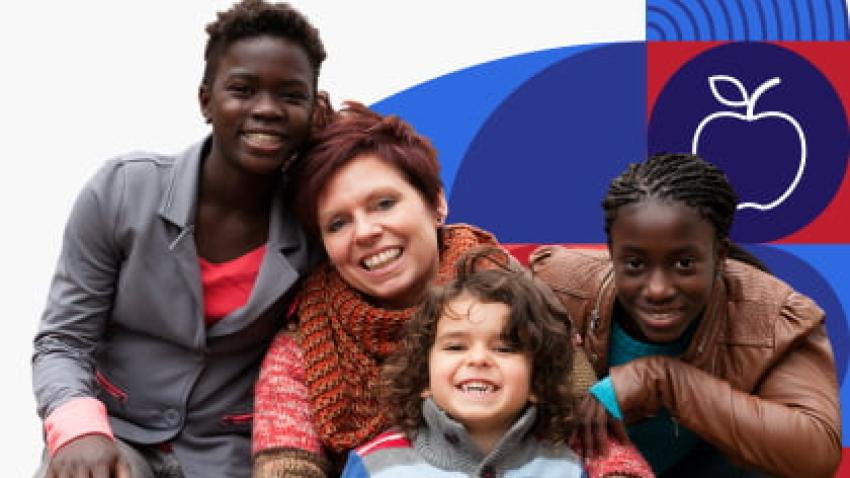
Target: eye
(685, 264)
(453, 347)
(503, 345)
(633, 264)
(293, 96)
(385, 204)
(240, 90)
(335, 225)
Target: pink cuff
(73, 419)
(621, 459)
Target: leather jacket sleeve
(788, 427)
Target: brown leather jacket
(757, 381)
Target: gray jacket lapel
(178, 209)
(284, 262)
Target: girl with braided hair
(716, 367)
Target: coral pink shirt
(227, 285)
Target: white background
(85, 80)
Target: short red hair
(357, 130)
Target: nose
(659, 287)
(267, 106)
(478, 356)
(366, 230)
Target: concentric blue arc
(747, 20)
(528, 143)
(451, 108)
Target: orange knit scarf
(345, 339)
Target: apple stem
(751, 104)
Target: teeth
(264, 139)
(478, 387)
(381, 258)
(664, 316)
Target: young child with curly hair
(481, 385)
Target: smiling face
(260, 104)
(665, 259)
(475, 375)
(379, 232)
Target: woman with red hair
(369, 189)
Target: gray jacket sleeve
(80, 295)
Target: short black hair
(253, 18)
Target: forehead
(266, 55)
(359, 178)
(661, 224)
(467, 314)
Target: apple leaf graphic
(715, 81)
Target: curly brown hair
(537, 324)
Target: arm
(284, 440)
(80, 297)
(78, 304)
(788, 427)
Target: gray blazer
(124, 320)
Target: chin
(663, 337)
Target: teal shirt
(661, 440)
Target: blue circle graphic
(539, 166)
(770, 120)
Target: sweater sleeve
(282, 409)
(621, 459)
(796, 403)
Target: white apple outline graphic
(750, 103)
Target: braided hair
(684, 178)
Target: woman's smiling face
(665, 258)
(379, 232)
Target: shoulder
(132, 171)
(570, 270)
(388, 454)
(138, 162)
(389, 440)
(757, 299)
